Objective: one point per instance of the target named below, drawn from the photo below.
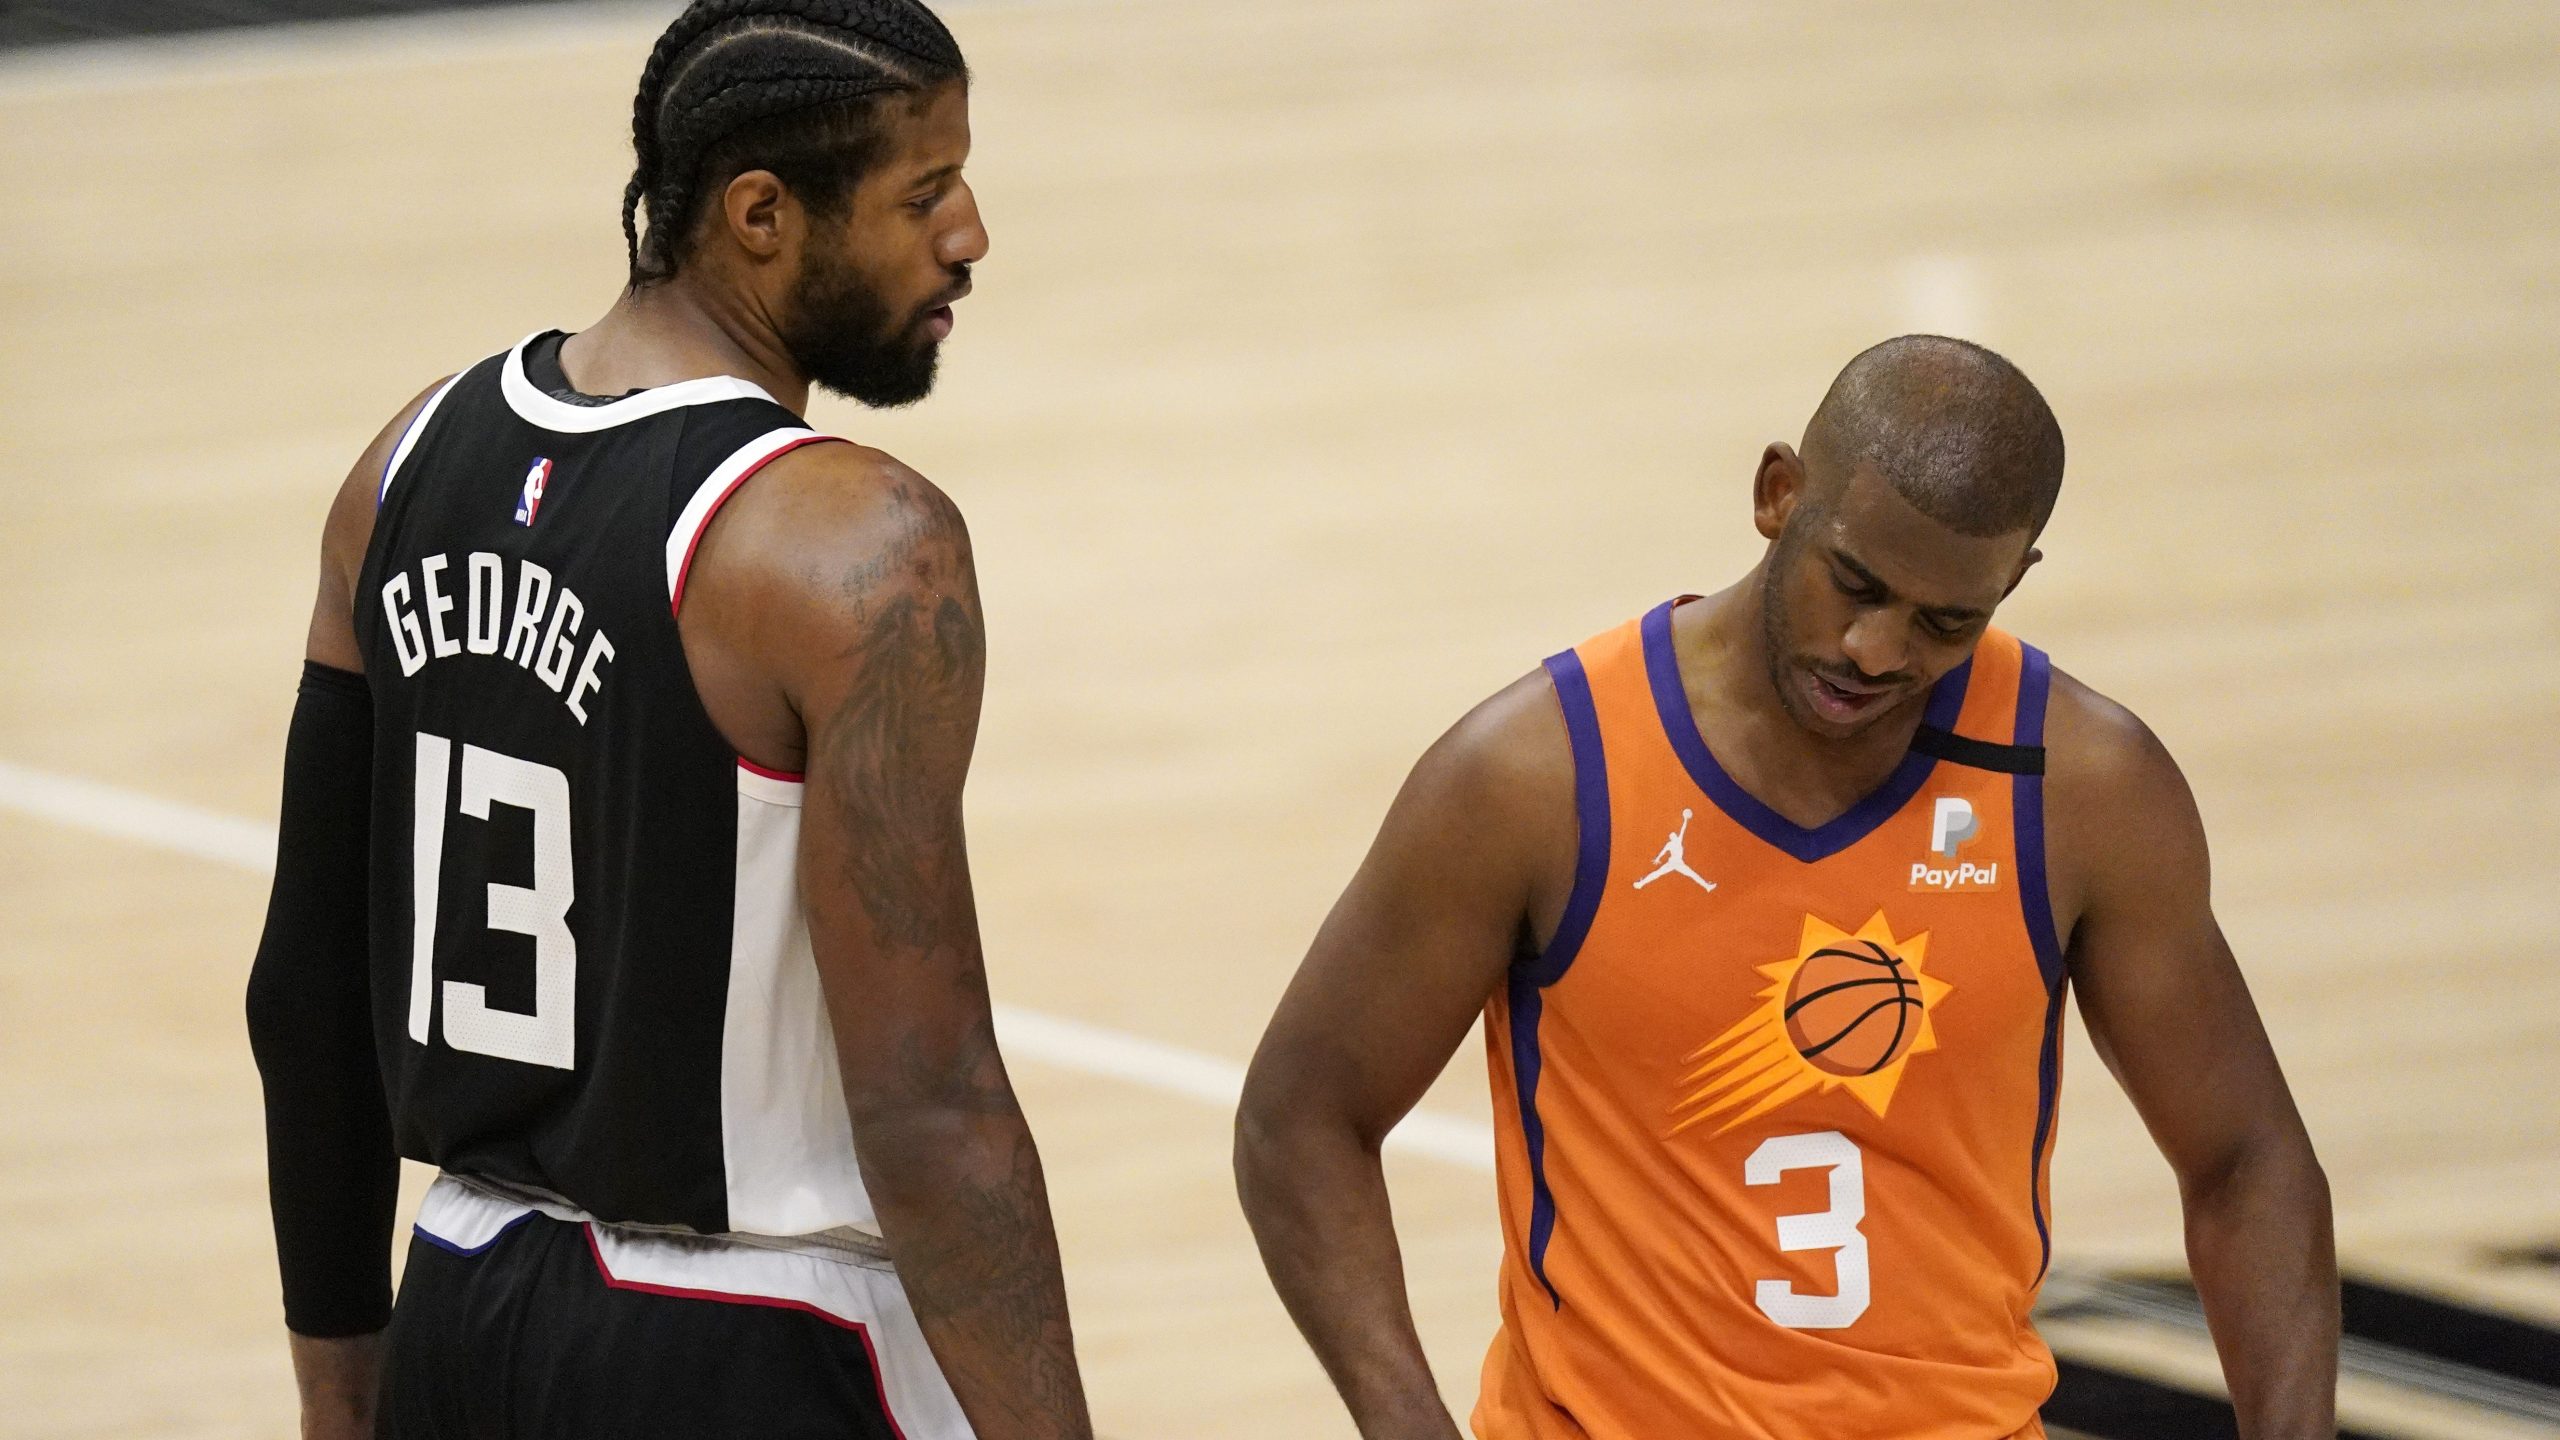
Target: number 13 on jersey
(548, 1036)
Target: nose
(965, 243)
(1877, 642)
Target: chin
(881, 384)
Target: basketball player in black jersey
(621, 873)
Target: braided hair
(789, 86)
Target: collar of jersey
(536, 408)
(1806, 843)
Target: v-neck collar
(1671, 699)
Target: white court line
(123, 814)
(129, 815)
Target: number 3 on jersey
(548, 1036)
(1835, 1229)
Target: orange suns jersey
(1773, 1108)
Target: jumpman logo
(1673, 858)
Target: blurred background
(1336, 361)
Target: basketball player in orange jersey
(1770, 900)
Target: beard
(1776, 646)
(1774, 630)
(842, 336)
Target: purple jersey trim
(1820, 842)
(1530, 976)
(2035, 682)
(1591, 816)
(442, 1243)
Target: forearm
(1317, 1200)
(2258, 1240)
(332, 1174)
(965, 1211)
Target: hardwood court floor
(1335, 361)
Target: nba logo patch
(529, 504)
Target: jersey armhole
(409, 437)
(1591, 820)
(1529, 978)
(2035, 899)
(741, 466)
(2035, 683)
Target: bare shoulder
(350, 525)
(348, 533)
(1508, 757)
(1486, 821)
(839, 528)
(2099, 754)
(2120, 820)
(837, 586)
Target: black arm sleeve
(332, 1177)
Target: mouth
(1843, 703)
(938, 319)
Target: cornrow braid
(789, 86)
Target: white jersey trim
(466, 1218)
(785, 1137)
(715, 489)
(409, 437)
(860, 1295)
(870, 1302)
(534, 407)
(771, 788)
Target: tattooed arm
(835, 630)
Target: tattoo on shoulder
(899, 742)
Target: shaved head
(1957, 431)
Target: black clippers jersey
(591, 973)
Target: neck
(678, 330)
(1732, 651)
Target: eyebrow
(935, 176)
(1964, 614)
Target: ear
(762, 218)
(2029, 563)
(1777, 489)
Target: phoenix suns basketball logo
(1846, 1012)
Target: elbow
(924, 1144)
(1265, 1112)
(2313, 1182)
(1259, 1159)
(2276, 1166)
(271, 1014)
(1258, 1134)
(1285, 1133)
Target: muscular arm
(844, 581)
(2172, 1018)
(1400, 969)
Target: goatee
(842, 337)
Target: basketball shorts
(514, 1323)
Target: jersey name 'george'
(495, 606)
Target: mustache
(958, 289)
(1851, 677)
